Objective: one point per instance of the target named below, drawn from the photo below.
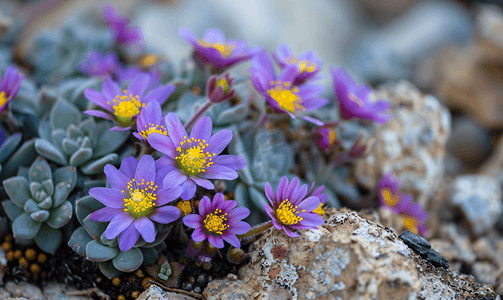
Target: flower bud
(236, 255)
(220, 88)
(325, 137)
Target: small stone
(54, 290)
(197, 290)
(232, 277)
(201, 279)
(231, 290)
(24, 289)
(154, 292)
(187, 286)
(192, 279)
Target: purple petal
(213, 35)
(311, 219)
(289, 73)
(269, 193)
(309, 204)
(139, 85)
(189, 189)
(289, 232)
(216, 242)
(116, 178)
(198, 235)
(105, 214)
(110, 89)
(118, 224)
(203, 182)
(128, 238)
(145, 170)
(164, 162)
(314, 103)
(151, 113)
(187, 35)
(202, 129)
(98, 113)
(232, 239)
(218, 200)
(96, 97)
(165, 214)
(239, 213)
(136, 135)
(240, 228)
(204, 206)
(281, 190)
(120, 128)
(110, 197)
(299, 195)
(262, 63)
(193, 221)
(219, 141)
(165, 196)
(228, 205)
(163, 144)
(291, 187)
(160, 94)
(230, 161)
(146, 229)
(219, 172)
(176, 131)
(312, 120)
(128, 166)
(174, 178)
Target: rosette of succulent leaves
(70, 138)
(38, 204)
(89, 241)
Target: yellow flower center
(215, 222)
(149, 60)
(224, 49)
(141, 198)
(191, 156)
(410, 224)
(355, 99)
(331, 137)
(304, 65)
(390, 199)
(287, 213)
(3, 99)
(320, 211)
(151, 128)
(184, 207)
(286, 98)
(224, 84)
(125, 107)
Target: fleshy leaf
(24, 227)
(69, 146)
(39, 171)
(110, 243)
(31, 206)
(40, 216)
(79, 240)
(98, 252)
(18, 190)
(63, 189)
(109, 141)
(9, 145)
(74, 132)
(85, 206)
(108, 269)
(11, 209)
(24, 156)
(162, 233)
(65, 174)
(96, 167)
(63, 113)
(48, 239)
(128, 261)
(233, 114)
(257, 197)
(150, 256)
(45, 204)
(48, 186)
(95, 229)
(60, 216)
(81, 156)
(87, 126)
(34, 188)
(48, 151)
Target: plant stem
(256, 229)
(197, 115)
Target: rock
(56, 291)
(3, 265)
(156, 293)
(479, 198)
(493, 166)
(228, 289)
(348, 257)
(24, 289)
(421, 246)
(486, 272)
(411, 144)
(5, 24)
(469, 142)
(4, 294)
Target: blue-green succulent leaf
(23, 157)
(31, 206)
(109, 141)
(85, 206)
(74, 132)
(9, 145)
(95, 229)
(40, 216)
(58, 135)
(24, 227)
(110, 243)
(69, 146)
(128, 261)
(162, 233)
(34, 188)
(96, 167)
(45, 204)
(65, 174)
(64, 113)
(81, 156)
(79, 240)
(48, 186)
(108, 269)
(240, 195)
(60, 216)
(62, 191)
(48, 239)
(257, 197)
(98, 252)
(48, 151)
(11, 209)
(87, 126)
(233, 114)
(18, 190)
(150, 256)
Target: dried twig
(197, 296)
(89, 292)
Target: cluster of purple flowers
(9, 86)
(413, 214)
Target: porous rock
(24, 289)
(228, 289)
(348, 257)
(54, 290)
(156, 293)
(411, 144)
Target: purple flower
(194, 159)
(97, 65)
(281, 93)
(325, 137)
(125, 74)
(354, 100)
(124, 33)
(219, 88)
(217, 221)
(290, 209)
(134, 201)
(308, 63)
(414, 216)
(150, 121)
(123, 106)
(9, 86)
(214, 49)
(389, 192)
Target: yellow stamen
(304, 65)
(286, 98)
(320, 211)
(224, 49)
(410, 224)
(331, 137)
(355, 99)
(149, 60)
(193, 160)
(287, 213)
(141, 199)
(224, 84)
(126, 106)
(215, 222)
(151, 128)
(3, 99)
(184, 207)
(390, 199)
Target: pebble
(24, 289)
(232, 277)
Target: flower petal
(213, 35)
(230, 161)
(118, 224)
(128, 166)
(203, 182)
(269, 193)
(145, 170)
(193, 221)
(160, 94)
(120, 128)
(289, 232)
(239, 213)
(99, 114)
(165, 214)
(219, 172)
(146, 229)
(105, 214)
(232, 239)
(110, 88)
(204, 206)
(291, 187)
(189, 189)
(139, 85)
(309, 204)
(128, 238)
(174, 178)
(198, 235)
(281, 190)
(202, 129)
(165, 196)
(110, 197)
(219, 141)
(116, 178)
(240, 228)
(162, 143)
(311, 219)
(97, 98)
(216, 242)
(187, 35)
(176, 131)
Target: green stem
(197, 115)
(257, 229)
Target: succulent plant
(67, 139)
(268, 157)
(10, 161)
(38, 205)
(89, 241)
(166, 272)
